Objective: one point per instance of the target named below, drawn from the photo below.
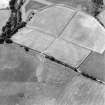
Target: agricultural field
(52, 52)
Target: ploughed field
(27, 78)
